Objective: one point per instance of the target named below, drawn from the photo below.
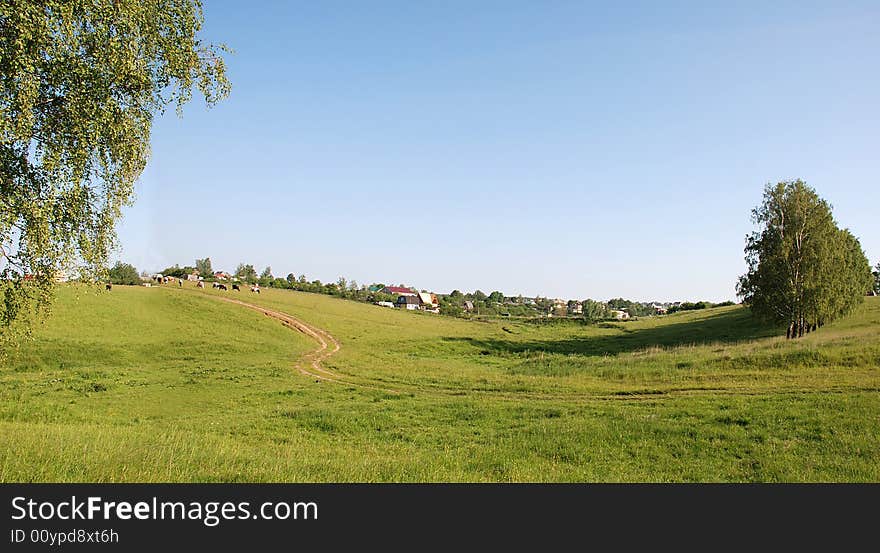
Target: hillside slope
(172, 385)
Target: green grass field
(164, 384)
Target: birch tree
(80, 84)
(804, 271)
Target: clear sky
(563, 149)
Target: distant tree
(203, 267)
(452, 305)
(246, 273)
(690, 306)
(496, 297)
(123, 273)
(176, 271)
(379, 296)
(479, 296)
(803, 271)
(266, 277)
(595, 310)
(342, 286)
(635, 309)
(291, 279)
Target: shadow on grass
(727, 326)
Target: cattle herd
(235, 287)
(200, 284)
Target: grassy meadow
(164, 384)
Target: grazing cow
(201, 284)
(222, 286)
(180, 282)
(235, 288)
(109, 286)
(214, 285)
(255, 289)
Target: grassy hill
(172, 385)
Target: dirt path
(309, 364)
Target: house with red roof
(399, 291)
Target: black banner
(236, 517)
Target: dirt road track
(309, 364)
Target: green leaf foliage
(804, 271)
(123, 273)
(80, 83)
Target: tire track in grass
(327, 344)
(311, 363)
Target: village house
(619, 314)
(220, 275)
(559, 308)
(428, 300)
(575, 307)
(399, 291)
(193, 276)
(409, 302)
(468, 306)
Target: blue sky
(563, 149)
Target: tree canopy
(203, 266)
(803, 270)
(124, 273)
(246, 272)
(266, 277)
(80, 83)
